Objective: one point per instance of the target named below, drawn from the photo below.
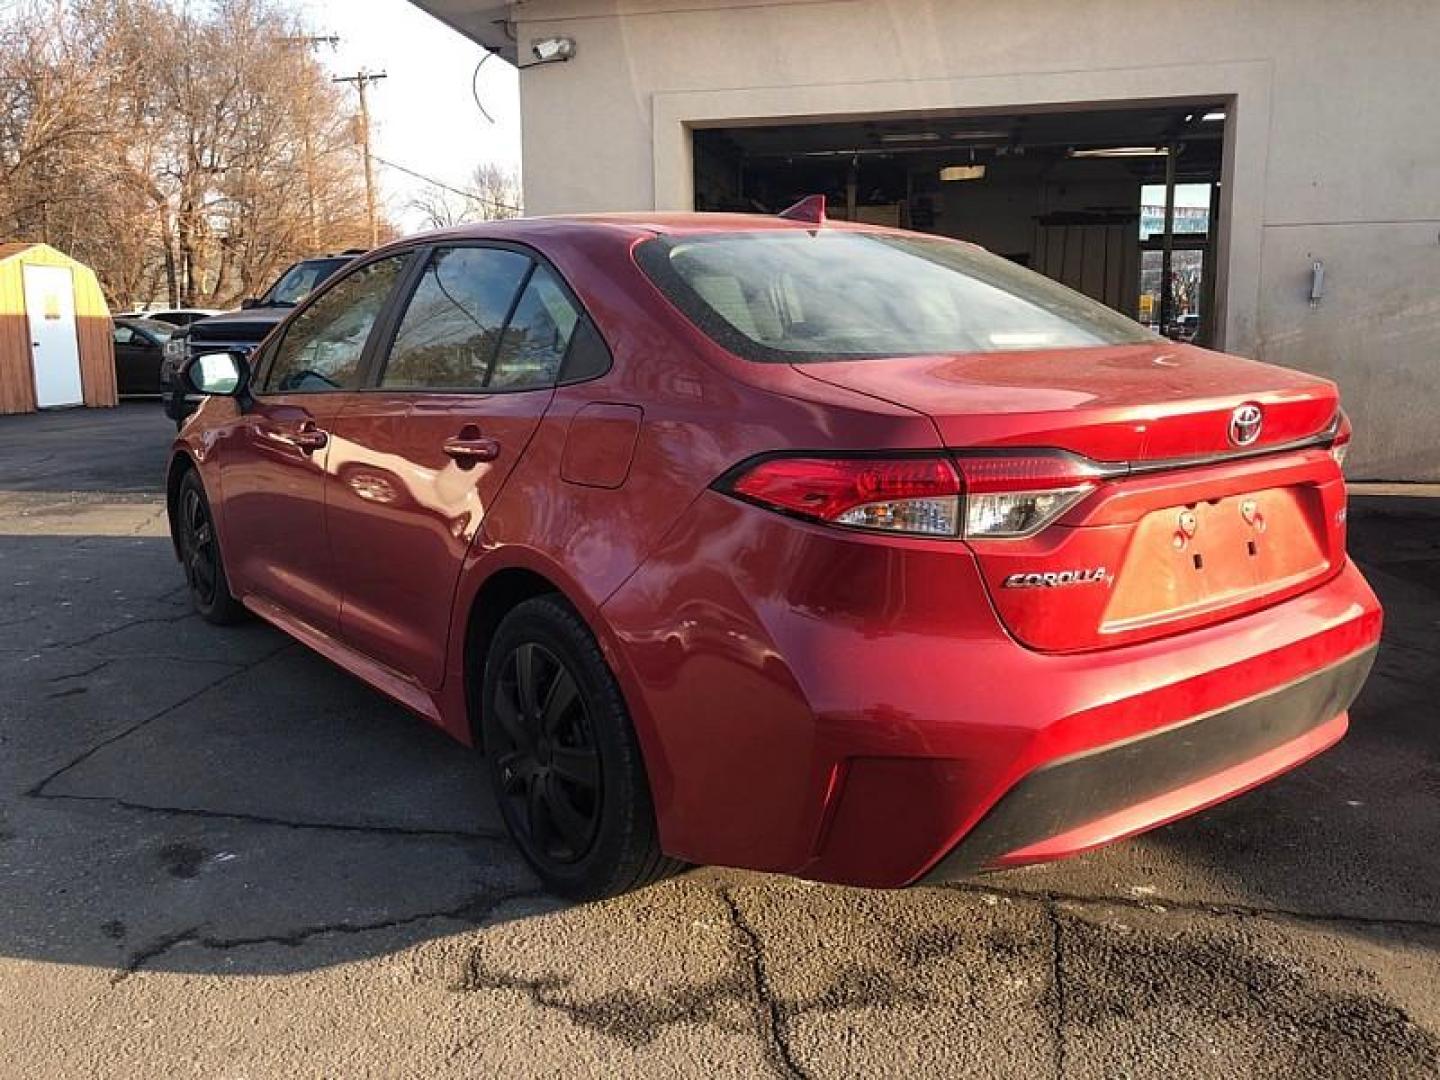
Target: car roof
(151, 312)
(637, 225)
(152, 325)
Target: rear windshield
(803, 296)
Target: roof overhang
(483, 21)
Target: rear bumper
(1091, 798)
(824, 704)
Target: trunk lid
(1187, 529)
(1126, 403)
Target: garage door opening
(1121, 204)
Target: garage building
(55, 332)
(1263, 178)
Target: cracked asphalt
(222, 857)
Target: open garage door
(1121, 204)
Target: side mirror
(248, 303)
(224, 374)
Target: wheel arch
(522, 575)
(180, 464)
(499, 594)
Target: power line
(447, 187)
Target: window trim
(520, 289)
(266, 351)
(405, 289)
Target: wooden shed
(56, 339)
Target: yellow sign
(52, 305)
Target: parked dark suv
(242, 330)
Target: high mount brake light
(984, 496)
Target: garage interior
(1119, 203)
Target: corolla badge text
(1050, 579)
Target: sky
(423, 113)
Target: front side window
(806, 296)
(322, 347)
(450, 334)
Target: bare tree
(497, 192)
(188, 150)
(442, 208)
(494, 195)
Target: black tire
(563, 758)
(199, 548)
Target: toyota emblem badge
(1245, 425)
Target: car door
(273, 458)
(468, 371)
(127, 360)
(137, 360)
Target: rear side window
(534, 343)
(588, 356)
(450, 333)
(322, 347)
(806, 296)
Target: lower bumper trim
(1065, 795)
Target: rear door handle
(470, 449)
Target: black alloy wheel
(548, 764)
(199, 550)
(563, 757)
(197, 546)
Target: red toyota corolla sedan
(815, 548)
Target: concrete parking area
(221, 856)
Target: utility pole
(362, 79)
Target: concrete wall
(1334, 145)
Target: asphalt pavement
(220, 856)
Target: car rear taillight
(1340, 446)
(981, 495)
(1011, 495)
(915, 495)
